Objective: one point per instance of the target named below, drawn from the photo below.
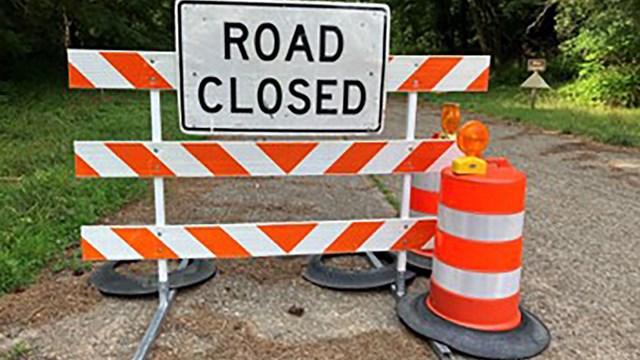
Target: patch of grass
(615, 126)
(43, 205)
(388, 194)
(18, 352)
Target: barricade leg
(165, 294)
(382, 273)
(412, 112)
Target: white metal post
(164, 295)
(158, 192)
(412, 110)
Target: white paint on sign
(537, 65)
(281, 66)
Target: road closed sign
(282, 67)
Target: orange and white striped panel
(269, 158)
(476, 271)
(438, 73)
(89, 69)
(253, 240)
(157, 70)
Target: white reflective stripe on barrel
(426, 181)
(490, 228)
(474, 284)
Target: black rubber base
(424, 264)
(529, 339)
(111, 282)
(319, 273)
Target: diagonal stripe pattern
(250, 240)
(211, 159)
(157, 70)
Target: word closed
(281, 67)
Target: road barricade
(157, 159)
(348, 71)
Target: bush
(615, 86)
(601, 39)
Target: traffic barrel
(425, 189)
(473, 301)
(478, 259)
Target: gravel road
(581, 258)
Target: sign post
(281, 67)
(535, 81)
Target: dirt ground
(581, 268)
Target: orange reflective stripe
(77, 80)
(136, 70)
(479, 256)
(423, 156)
(89, 252)
(218, 242)
(145, 243)
(424, 201)
(500, 191)
(417, 236)
(286, 155)
(430, 73)
(139, 159)
(479, 314)
(354, 236)
(355, 158)
(216, 159)
(287, 237)
(83, 169)
(481, 83)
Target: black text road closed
(281, 66)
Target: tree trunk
(485, 14)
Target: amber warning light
(450, 120)
(472, 139)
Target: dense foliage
(44, 28)
(602, 41)
(593, 42)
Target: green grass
(43, 205)
(615, 126)
(388, 194)
(19, 351)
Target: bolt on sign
(281, 67)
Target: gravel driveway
(581, 261)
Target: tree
(601, 40)
(44, 28)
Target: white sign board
(283, 67)
(536, 64)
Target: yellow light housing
(472, 139)
(450, 118)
